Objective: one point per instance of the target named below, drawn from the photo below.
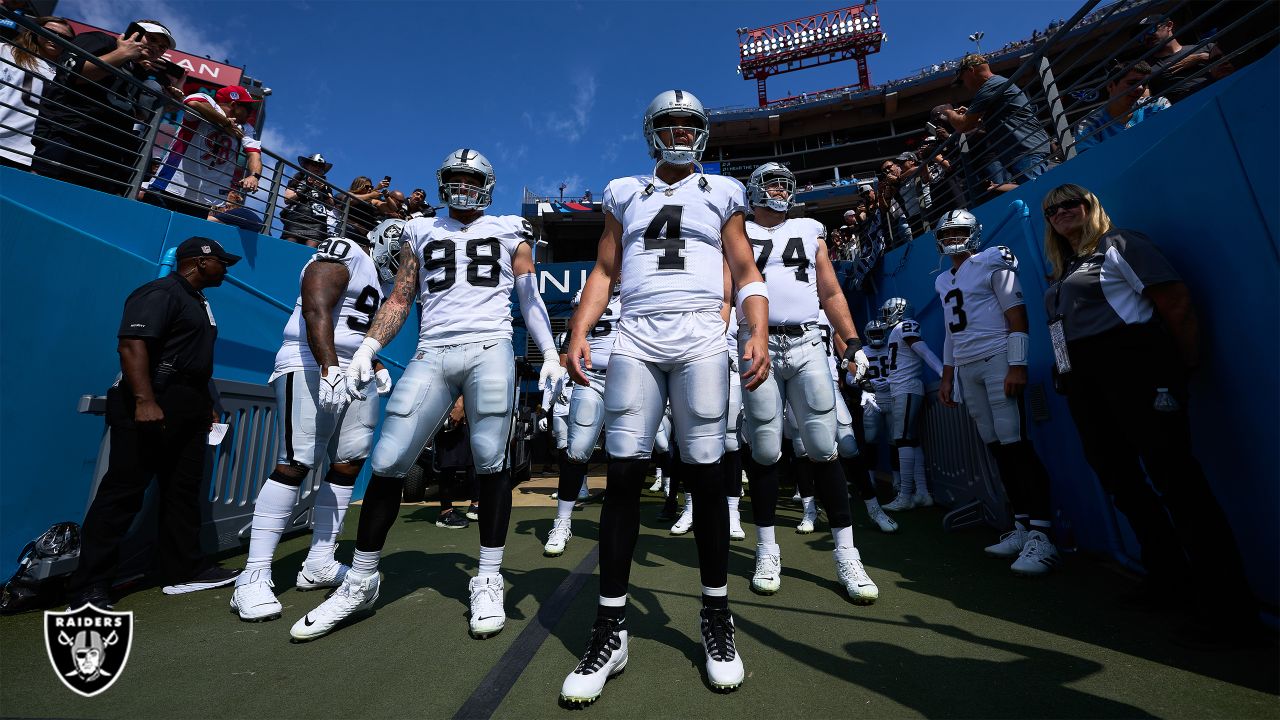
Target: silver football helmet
(768, 175)
(958, 232)
(688, 110)
(461, 195)
(894, 311)
(876, 334)
(385, 248)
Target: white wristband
(746, 291)
(1019, 348)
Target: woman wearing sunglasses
(1125, 339)
(25, 66)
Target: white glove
(333, 391)
(551, 372)
(382, 379)
(869, 400)
(360, 371)
(859, 362)
(542, 424)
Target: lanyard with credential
(1056, 334)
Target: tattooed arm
(392, 314)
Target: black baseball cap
(198, 246)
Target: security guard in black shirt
(159, 414)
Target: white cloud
(195, 36)
(572, 125)
(508, 156)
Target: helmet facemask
(958, 232)
(677, 153)
(876, 334)
(464, 190)
(772, 186)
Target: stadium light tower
(850, 33)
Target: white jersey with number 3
(465, 276)
(351, 317)
(672, 264)
(785, 255)
(971, 298)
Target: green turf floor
(953, 635)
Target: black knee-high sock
(1025, 462)
(495, 507)
(473, 480)
(833, 492)
(710, 522)
(731, 465)
(378, 512)
(855, 471)
(677, 481)
(1014, 483)
(620, 524)
(870, 454)
(803, 470)
(893, 458)
(571, 475)
(663, 462)
(762, 481)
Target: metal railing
(128, 138)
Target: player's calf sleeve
(1026, 461)
(833, 492)
(332, 500)
(495, 507)
(620, 524)
(856, 472)
(762, 482)
(731, 466)
(571, 476)
(710, 522)
(378, 512)
(803, 468)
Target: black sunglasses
(1069, 204)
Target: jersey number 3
(955, 300)
(663, 235)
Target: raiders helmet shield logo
(88, 647)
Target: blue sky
(550, 92)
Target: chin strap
(703, 183)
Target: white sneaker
(655, 487)
(856, 581)
(605, 657)
(555, 495)
(560, 534)
(735, 526)
(488, 616)
(584, 494)
(330, 575)
(1010, 544)
(1038, 556)
(253, 599)
(768, 576)
(923, 500)
(900, 503)
(882, 520)
(724, 664)
(352, 596)
(684, 523)
(796, 498)
(806, 523)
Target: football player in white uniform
(908, 353)
(340, 292)
(792, 256)
(462, 268)
(668, 234)
(987, 348)
(585, 420)
(877, 400)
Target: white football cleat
(882, 520)
(806, 522)
(685, 522)
(900, 503)
(605, 657)
(735, 526)
(1010, 544)
(724, 664)
(253, 600)
(657, 483)
(559, 537)
(768, 576)
(1038, 556)
(854, 576)
(923, 500)
(488, 616)
(352, 596)
(329, 576)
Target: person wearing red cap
(198, 168)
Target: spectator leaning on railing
(308, 202)
(84, 134)
(1130, 103)
(197, 170)
(25, 66)
(1173, 63)
(1014, 136)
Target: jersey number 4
(663, 236)
(955, 301)
(792, 256)
(446, 261)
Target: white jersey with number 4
(672, 264)
(351, 317)
(785, 256)
(465, 276)
(971, 298)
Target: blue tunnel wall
(1199, 179)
